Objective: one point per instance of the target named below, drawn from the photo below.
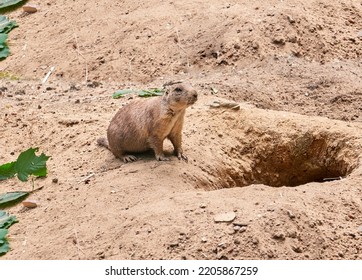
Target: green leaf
(6, 221)
(150, 92)
(8, 3)
(30, 164)
(121, 93)
(7, 170)
(4, 244)
(141, 93)
(7, 199)
(26, 164)
(5, 25)
(4, 49)
(3, 233)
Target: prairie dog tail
(103, 142)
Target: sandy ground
(287, 164)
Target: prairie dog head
(179, 95)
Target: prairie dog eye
(178, 89)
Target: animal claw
(182, 157)
(162, 158)
(129, 158)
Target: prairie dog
(144, 124)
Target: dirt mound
(175, 37)
(287, 164)
(263, 30)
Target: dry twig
(48, 75)
(76, 242)
(80, 54)
(86, 178)
(181, 48)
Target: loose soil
(286, 160)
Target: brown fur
(145, 124)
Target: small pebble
(173, 244)
(291, 19)
(278, 41)
(296, 249)
(242, 229)
(290, 214)
(30, 8)
(30, 203)
(278, 236)
(225, 217)
(240, 223)
(237, 228)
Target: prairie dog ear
(167, 91)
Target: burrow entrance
(276, 160)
